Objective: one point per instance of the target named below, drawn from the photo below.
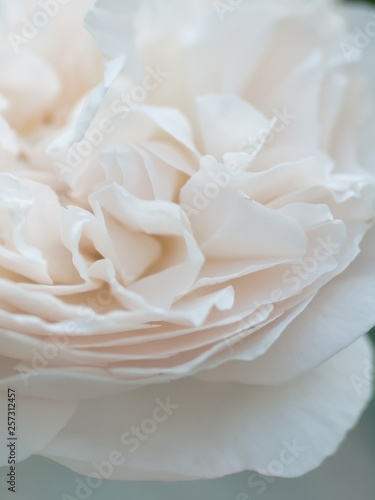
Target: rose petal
(218, 430)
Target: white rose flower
(187, 271)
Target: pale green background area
(362, 1)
